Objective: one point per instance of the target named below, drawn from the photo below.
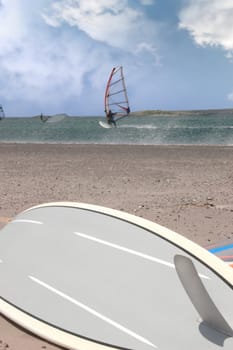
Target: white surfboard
(87, 277)
(105, 125)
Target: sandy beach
(185, 188)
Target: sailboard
(2, 113)
(53, 118)
(113, 281)
(116, 102)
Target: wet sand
(185, 188)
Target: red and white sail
(116, 98)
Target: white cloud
(230, 96)
(40, 67)
(147, 2)
(209, 22)
(12, 26)
(145, 47)
(51, 50)
(112, 22)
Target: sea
(212, 128)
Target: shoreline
(187, 189)
(61, 144)
(114, 144)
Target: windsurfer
(42, 118)
(110, 117)
(2, 115)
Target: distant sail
(53, 118)
(116, 98)
(2, 114)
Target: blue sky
(56, 55)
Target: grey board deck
(103, 279)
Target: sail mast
(123, 82)
(107, 91)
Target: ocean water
(202, 129)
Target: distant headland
(170, 113)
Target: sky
(56, 55)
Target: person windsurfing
(43, 118)
(2, 114)
(110, 118)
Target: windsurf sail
(53, 118)
(2, 114)
(116, 100)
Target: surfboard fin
(199, 296)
